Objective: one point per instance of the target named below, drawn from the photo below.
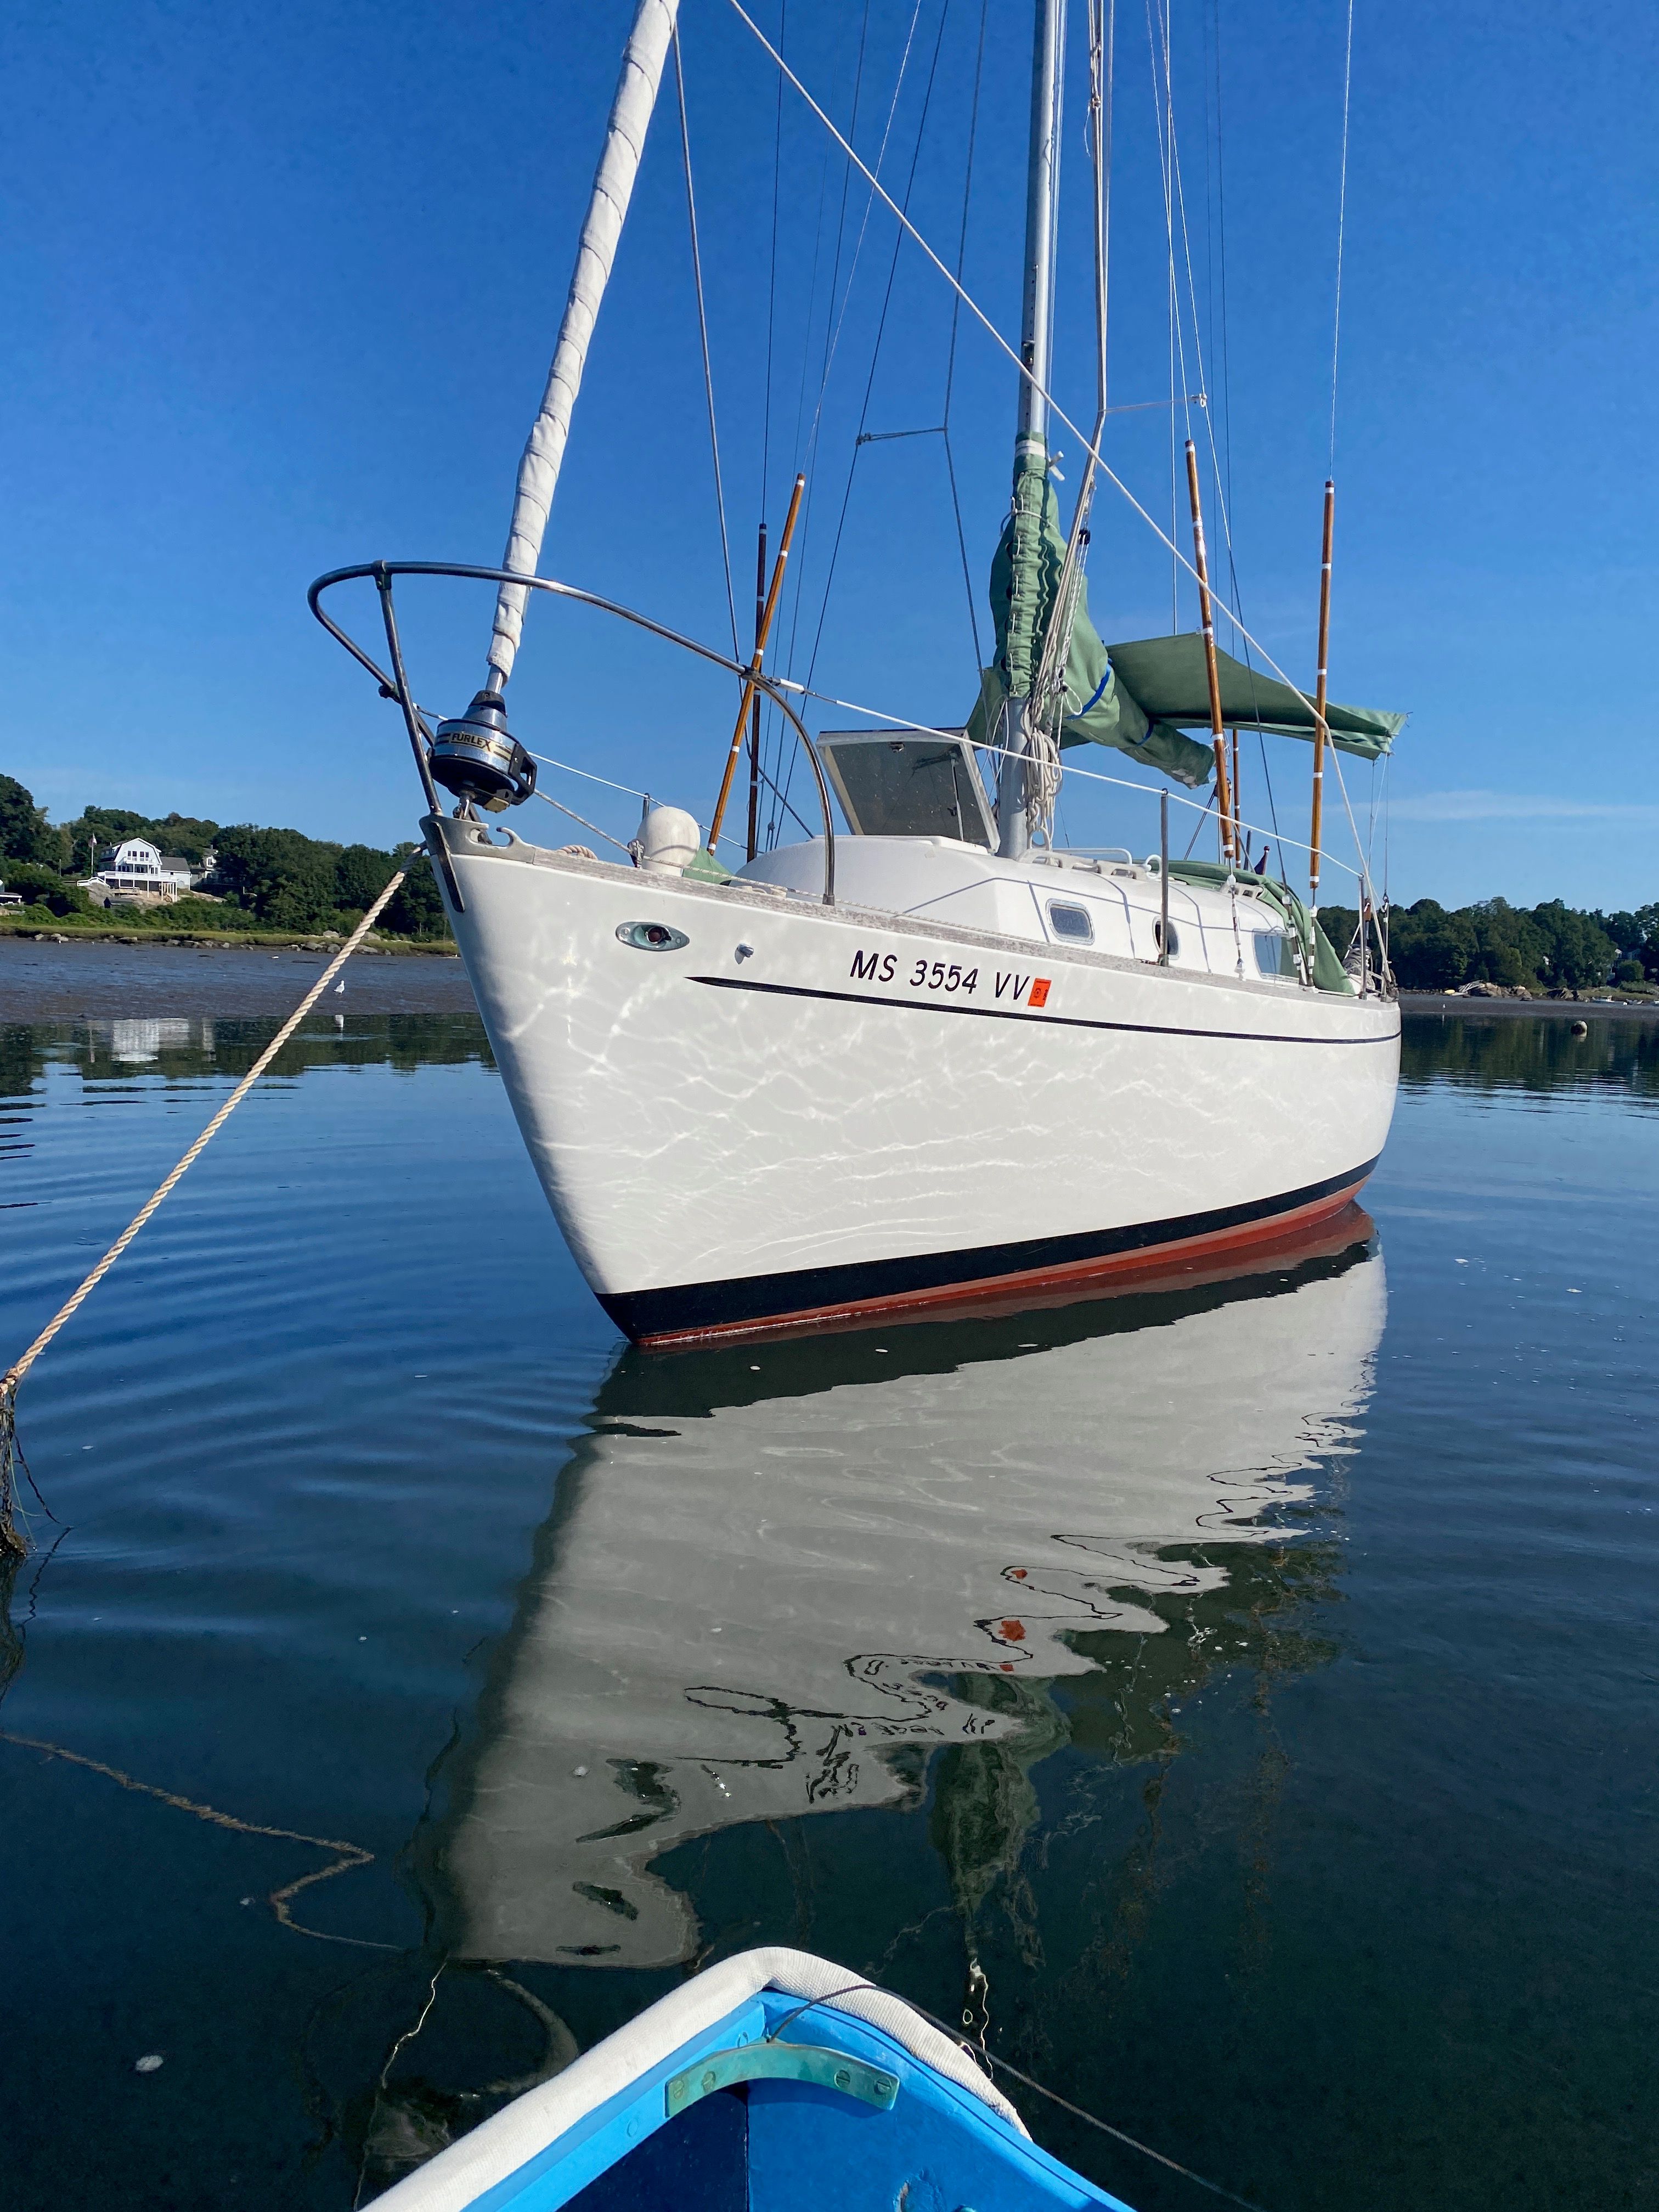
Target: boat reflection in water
(780, 1578)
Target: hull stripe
(1014, 1014)
(684, 1311)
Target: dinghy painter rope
(11, 1457)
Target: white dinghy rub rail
(607, 210)
(480, 2162)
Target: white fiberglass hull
(798, 1112)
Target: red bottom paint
(1322, 1228)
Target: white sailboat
(765, 1596)
(931, 1052)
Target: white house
(138, 866)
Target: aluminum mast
(1031, 438)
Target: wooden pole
(754, 711)
(1320, 731)
(750, 690)
(1206, 623)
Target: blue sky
(282, 286)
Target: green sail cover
(1137, 697)
(1099, 710)
(1168, 677)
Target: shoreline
(50, 976)
(226, 940)
(1569, 1010)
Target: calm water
(1242, 1697)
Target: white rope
(15, 1374)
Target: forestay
(613, 187)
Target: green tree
(417, 909)
(1635, 935)
(1579, 954)
(41, 886)
(286, 878)
(1431, 949)
(1508, 947)
(1341, 925)
(361, 874)
(25, 833)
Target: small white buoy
(1579, 1028)
(149, 2063)
(579, 1771)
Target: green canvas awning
(1166, 677)
(1141, 697)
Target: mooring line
(10, 1539)
(350, 1855)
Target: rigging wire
(771, 731)
(1204, 808)
(1341, 227)
(1163, 110)
(1002, 346)
(1224, 487)
(703, 333)
(548, 761)
(833, 339)
(875, 350)
(805, 452)
(834, 324)
(951, 357)
(592, 826)
(772, 281)
(1221, 471)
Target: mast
(613, 187)
(1031, 433)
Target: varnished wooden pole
(750, 690)
(1320, 731)
(754, 711)
(1206, 623)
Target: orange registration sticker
(1039, 992)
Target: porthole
(1174, 938)
(651, 936)
(1071, 922)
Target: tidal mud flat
(103, 980)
